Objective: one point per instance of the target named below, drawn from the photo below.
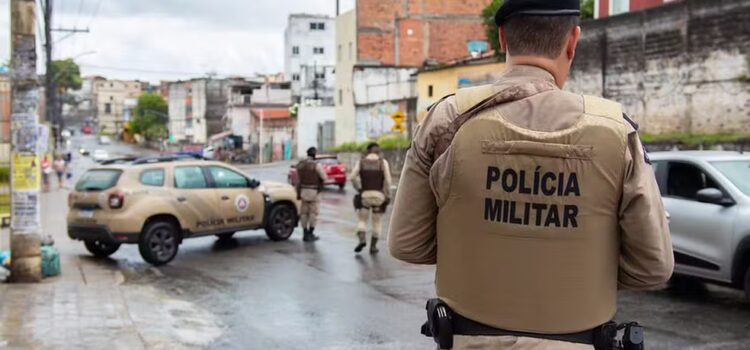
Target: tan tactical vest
(371, 174)
(528, 239)
(308, 174)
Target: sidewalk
(91, 305)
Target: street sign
(398, 119)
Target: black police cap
(513, 8)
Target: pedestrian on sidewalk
(311, 178)
(371, 177)
(46, 172)
(59, 165)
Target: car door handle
(181, 199)
(225, 198)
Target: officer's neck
(553, 66)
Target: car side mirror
(713, 196)
(252, 183)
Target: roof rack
(121, 160)
(166, 159)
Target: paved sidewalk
(93, 306)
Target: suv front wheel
(101, 249)
(159, 242)
(281, 222)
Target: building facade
(310, 57)
(5, 104)
(606, 8)
(197, 108)
(114, 102)
(399, 34)
(434, 83)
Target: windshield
(328, 161)
(98, 180)
(738, 172)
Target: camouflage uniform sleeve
(646, 258)
(412, 235)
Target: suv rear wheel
(159, 243)
(101, 249)
(281, 222)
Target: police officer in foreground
(311, 178)
(371, 177)
(536, 204)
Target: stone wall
(682, 67)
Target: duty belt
(442, 324)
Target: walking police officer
(371, 177)
(535, 204)
(311, 178)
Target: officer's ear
(503, 44)
(572, 44)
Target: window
(350, 51)
(188, 123)
(295, 50)
(317, 26)
(225, 178)
(341, 97)
(338, 55)
(617, 7)
(153, 177)
(111, 98)
(295, 77)
(189, 177)
(430, 91)
(318, 50)
(98, 180)
(738, 172)
(320, 75)
(107, 108)
(685, 180)
(111, 85)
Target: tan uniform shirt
(646, 258)
(373, 198)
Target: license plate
(88, 214)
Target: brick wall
(679, 67)
(408, 32)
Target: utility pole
(25, 167)
(50, 87)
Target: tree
(150, 116)
(67, 74)
(493, 32)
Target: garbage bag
(5, 258)
(50, 261)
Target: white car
(104, 140)
(707, 195)
(100, 155)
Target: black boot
(374, 246)
(309, 236)
(362, 242)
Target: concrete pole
(25, 167)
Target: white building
(114, 102)
(310, 58)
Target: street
(251, 293)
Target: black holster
(439, 323)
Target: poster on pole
(24, 216)
(25, 172)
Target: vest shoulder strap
(470, 97)
(598, 106)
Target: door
(701, 232)
(196, 201)
(241, 206)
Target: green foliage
(490, 28)
(587, 9)
(150, 119)
(66, 74)
(386, 143)
(694, 140)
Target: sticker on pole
(242, 203)
(398, 120)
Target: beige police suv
(158, 202)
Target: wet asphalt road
(293, 295)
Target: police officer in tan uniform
(311, 178)
(536, 204)
(371, 177)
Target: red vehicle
(335, 170)
(86, 129)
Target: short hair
(538, 35)
(312, 151)
(371, 146)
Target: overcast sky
(172, 39)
